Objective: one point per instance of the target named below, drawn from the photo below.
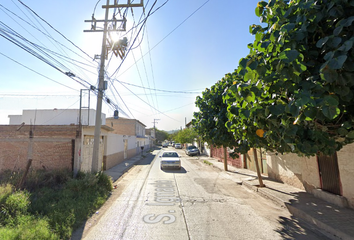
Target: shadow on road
(182, 170)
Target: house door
(329, 173)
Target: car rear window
(169, 154)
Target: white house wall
(115, 152)
(115, 143)
(56, 117)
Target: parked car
(178, 146)
(192, 151)
(165, 144)
(170, 159)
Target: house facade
(130, 127)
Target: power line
(39, 73)
(134, 40)
(166, 35)
(55, 29)
(158, 90)
(65, 58)
(148, 104)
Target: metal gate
(329, 173)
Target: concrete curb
(264, 194)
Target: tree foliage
(187, 135)
(161, 135)
(294, 91)
(209, 122)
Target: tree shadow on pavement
(294, 228)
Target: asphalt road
(196, 202)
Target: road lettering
(164, 194)
(151, 219)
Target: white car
(170, 159)
(178, 145)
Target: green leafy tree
(187, 135)
(172, 136)
(161, 135)
(209, 122)
(294, 91)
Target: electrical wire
(43, 54)
(60, 113)
(148, 104)
(6, 33)
(7, 11)
(38, 72)
(166, 35)
(159, 90)
(55, 29)
(133, 42)
(60, 47)
(151, 67)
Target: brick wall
(122, 126)
(52, 147)
(218, 153)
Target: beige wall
(112, 160)
(300, 172)
(303, 172)
(131, 153)
(346, 172)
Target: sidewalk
(118, 170)
(334, 221)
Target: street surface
(197, 202)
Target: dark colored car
(192, 151)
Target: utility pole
(155, 121)
(118, 49)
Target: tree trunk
(257, 167)
(225, 159)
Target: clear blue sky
(186, 46)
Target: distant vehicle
(170, 159)
(165, 144)
(192, 151)
(178, 146)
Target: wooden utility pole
(29, 158)
(155, 121)
(97, 134)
